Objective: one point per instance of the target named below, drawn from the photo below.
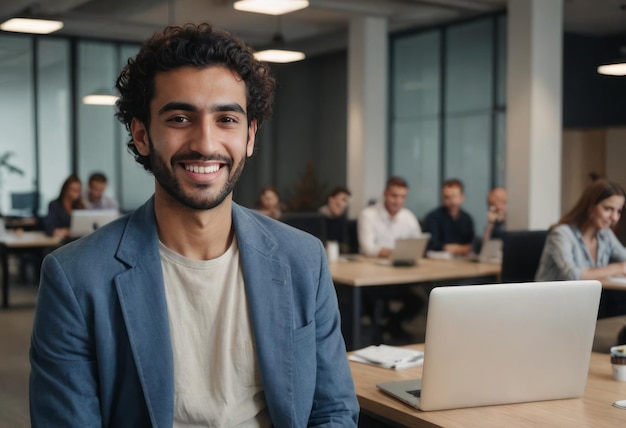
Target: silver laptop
(83, 222)
(504, 343)
(407, 251)
(490, 252)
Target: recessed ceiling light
(270, 7)
(279, 56)
(99, 100)
(33, 26)
(613, 69)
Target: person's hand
(61, 232)
(384, 253)
(492, 214)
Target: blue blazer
(101, 352)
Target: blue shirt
(444, 229)
(565, 255)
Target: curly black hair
(190, 45)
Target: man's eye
(179, 119)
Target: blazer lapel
(144, 307)
(271, 311)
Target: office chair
(311, 222)
(521, 251)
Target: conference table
(593, 409)
(14, 242)
(352, 274)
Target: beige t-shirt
(217, 381)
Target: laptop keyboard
(416, 392)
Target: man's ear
(251, 138)
(140, 136)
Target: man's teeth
(202, 169)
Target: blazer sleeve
(63, 380)
(334, 403)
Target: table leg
(4, 259)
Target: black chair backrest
(521, 251)
(314, 223)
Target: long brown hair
(77, 204)
(595, 193)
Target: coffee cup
(332, 251)
(618, 362)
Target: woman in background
(582, 244)
(269, 203)
(57, 222)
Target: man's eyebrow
(177, 105)
(235, 107)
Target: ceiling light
(33, 26)
(279, 55)
(618, 69)
(100, 99)
(276, 52)
(270, 7)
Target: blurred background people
(379, 225)
(451, 228)
(57, 222)
(94, 195)
(269, 203)
(496, 214)
(582, 244)
(336, 203)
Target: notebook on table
(407, 251)
(83, 222)
(504, 343)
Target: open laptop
(83, 222)
(407, 251)
(504, 343)
(490, 252)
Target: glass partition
(17, 114)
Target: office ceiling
(324, 20)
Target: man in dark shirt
(451, 229)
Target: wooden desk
(592, 410)
(351, 276)
(13, 242)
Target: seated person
(582, 244)
(269, 203)
(335, 212)
(57, 222)
(94, 197)
(379, 225)
(496, 214)
(336, 203)
(451, 229)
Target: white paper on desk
(390, 357)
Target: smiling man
(191, 310)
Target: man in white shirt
(94, 196)
(379, 226)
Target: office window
(415, 109)
(17, 114)
(469, 103)
(448, 107)
(53, 118)
(97, 129)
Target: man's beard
(168, 181)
